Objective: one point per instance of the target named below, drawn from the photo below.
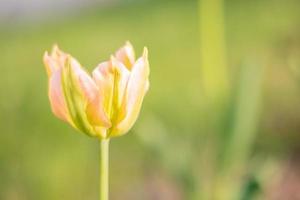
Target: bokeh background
(221, 120)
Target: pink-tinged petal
(56, 97)
(101, 75)
(55, 60)
(104, 80)
(126, 55)
(86, 83)
(137, 87)
(58, 55)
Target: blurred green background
(221, 119)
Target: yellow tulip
(105, 104)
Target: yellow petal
(138, 85)
(96, 114)
(111, 78)
(96, 105)
(122, 75)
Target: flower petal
(56, 97)
(55, 60)
(78, 90)
(137, 87)
(111, 78)
(94, 109)
(86, 83)
(104, 81)
(126, 55)
(58, 55)
(96, 114)
(49, 63)
(121, 80)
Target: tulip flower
(105, 104)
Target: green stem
(104, 166)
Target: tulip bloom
(105, 104)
